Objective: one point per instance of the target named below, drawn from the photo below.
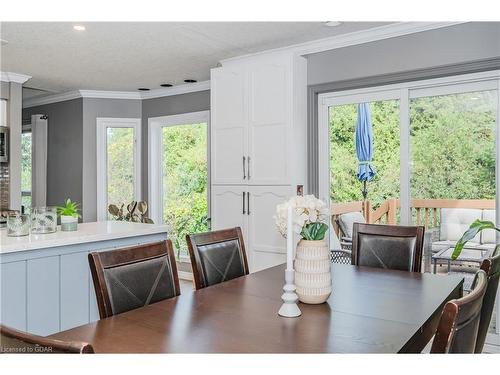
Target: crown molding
(176, 90)
(14, 77)
(102, 94)
(350, 39)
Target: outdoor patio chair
(345, 223)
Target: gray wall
(64, 149)
(93, 108)
(165, 106)
(452, 45)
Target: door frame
(403, 92)
(102, 124)
(155, 145)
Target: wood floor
(492, 345)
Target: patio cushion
(488, 236)
(347, 220)
(455, 221)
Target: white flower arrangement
(310, 216)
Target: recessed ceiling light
(166, 85)
(332, 23)
(79, 28)
(190, 80)
(143, 89)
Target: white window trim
(102, 124)
(155, 145)
(403, 92)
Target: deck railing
(424, 211)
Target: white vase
(69, 223)
(312, 271)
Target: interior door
(269, 125)
(229, 205)
(265, 246)
(229, 126)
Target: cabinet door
(266, 247)
(229, 126)
(228, 203)
(269, 108)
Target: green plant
(314, 231)
(70, 209)
(136, 212)
(476, 227)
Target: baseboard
(184, 275)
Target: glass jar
(43, 220)
(18, 225)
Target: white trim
(102, 94)
(155, 142)
(351, 39)
(176, 90)
(102, 123)
(14, 77)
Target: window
(26, 168)
(179, 175)
(118, 163)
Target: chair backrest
(388, 246)
(14, 341)
(459, 323)
(132, 277)
(492, 268)
(217, 256)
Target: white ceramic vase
(312, 271)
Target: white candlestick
(289, 239)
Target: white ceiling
(123, 56)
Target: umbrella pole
(364, 191)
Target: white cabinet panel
(227, 207)
(13, 297)
(229, 147)
(74, 290)
(43, 295)
(268, 94)
(263, 236)
(228, 99)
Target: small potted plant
(69, 216)
(312, 258)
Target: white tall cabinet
(258, 147)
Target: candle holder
(289, 308)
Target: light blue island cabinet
(46, 286)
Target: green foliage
(185, 182)
(69, 209)
(120, 159)
(314, 231)
(452, 149)
(476, 227)
(26, 167)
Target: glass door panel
(185, 182)
(26, 169)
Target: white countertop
(87, 232)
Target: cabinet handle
(244, 175)
(244, 203)
(248, 203)
(248, 171)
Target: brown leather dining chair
(492, 268)
(13, 341)
(388, 246)
(217, 256)
(459, 323)
(132, 277)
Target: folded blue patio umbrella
(364, 145)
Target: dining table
(370, 310)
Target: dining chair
(132, 277)
(458, 327)
(217, 256)
(388, 246)
(14, 341)
(492, 268)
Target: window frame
(102, 124)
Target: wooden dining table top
(370, 310)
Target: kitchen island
(46, 286)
